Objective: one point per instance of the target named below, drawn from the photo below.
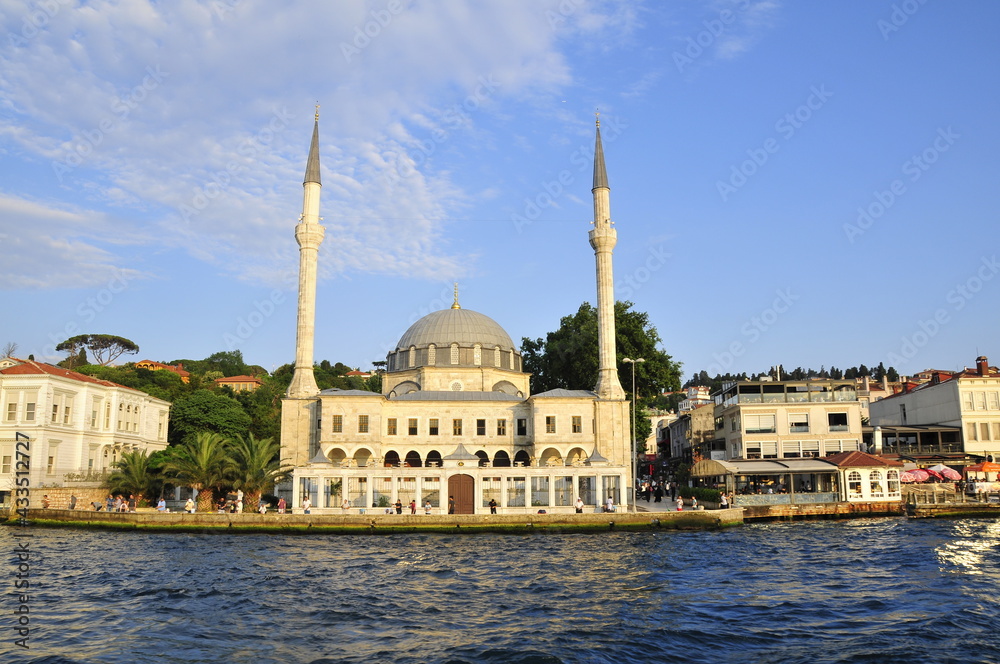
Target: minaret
(309, 234)
(603, 238)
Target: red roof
(861, 460)
(33, 368)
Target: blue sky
(803, 183)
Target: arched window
(875, 480)
(892, 479)
(454, 353)
(477, 355)
(854, 482)
(431, 354)
(413, 356)
(496, 356)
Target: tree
(133, 475)
(568, 357)
(106, 348)
(206, 411)
(9, 349)
(255, 467)
(201, 463)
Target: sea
(869, 590)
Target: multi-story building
(786, 419)
(953, 414)
(692, 433)
(76, 424)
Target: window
(338, 424)
(456, 427)
(875, 483)
(93, 418)
(577, 424)
(522, 427)
(973, 431)
(432, 427)
(798, 423)
(390, 427)
(496, 356)
(759, 423)
(412, 356)
(362, 424)
(720, 423)
(967, 401)
(411, 426)
(107, 416)
(984, 430)
(994, 401)
(50, 467)
(892, 478)
(431, 354)
(29, 412)
(66, 415)
(477, 355)
(480, 427)
(837, 421)
(5, 465)
(55, 413)
(980, 400)
(734, 423)
(501, 427)
(454, 353)
(550, 424)
(854, 482)
(11, 412)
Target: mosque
(455, 428)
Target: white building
(455, 418)
(968, 400)
(76, 425)
(787, 419)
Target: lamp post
(634, 473)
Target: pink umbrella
(932, 473)
(946, 472)
(911, 476)
(918, 475)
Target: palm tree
(201, 463)
(132, 475)
(256, 467)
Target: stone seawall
(824, 511)
(383, 523)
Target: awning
(710, 468)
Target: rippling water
(886, 590)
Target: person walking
(451, 504)
(723, 501)
(680, 503)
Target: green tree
(255, 467)
(132, 474)
(568, 357)
(106, 348)
(202, 411)
(201, 463)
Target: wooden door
(463, 488)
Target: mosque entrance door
(463, 487)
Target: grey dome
(461, 326)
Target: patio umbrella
(918, 474)
(946, 472)
(932, 473)
(910, 476)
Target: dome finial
(317, 111)
(598, 114)
(455, 305)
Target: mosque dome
(450, 326)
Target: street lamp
(634, 473)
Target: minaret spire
(455, 304)
(603, 238)
(309, 234)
